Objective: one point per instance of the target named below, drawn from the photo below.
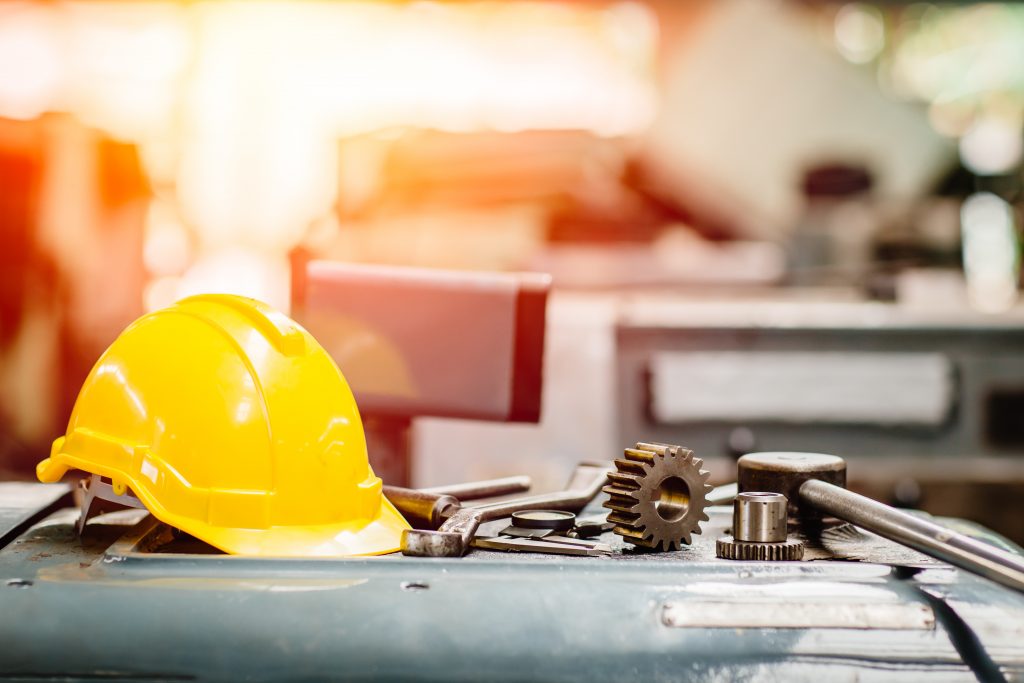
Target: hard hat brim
(49, 471)
(351, 538)
(377, 536)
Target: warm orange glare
(167, 249)
(126, 67)
(238, 108)
(32, 61)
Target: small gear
(729, 548)
(657, 495)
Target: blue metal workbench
(125, 602)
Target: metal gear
(729, 548)
(657, 495)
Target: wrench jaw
(426, 543)
(455, 536)
(451, 540)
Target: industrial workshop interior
(505, 340)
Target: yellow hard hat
(230, 422)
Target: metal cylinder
(490, 488)
(759, 517)
(784, 472)
(918, 533)
(421, 509)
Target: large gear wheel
(657, 495)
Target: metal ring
(544, 519)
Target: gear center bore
(672, 499)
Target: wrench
(460, 523)
(430, 507)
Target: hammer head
(785, 472)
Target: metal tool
(589, 527)
(429, 507)
(759, 517)
(557, 520)
(657, 496)
(552, 545)
(812, 479)
(422, 509)
(488, 488)
(759, 530)
(723, 495)
(542, 531)
(784, 472)
(539, 523)
(453, 537)
(920, 534)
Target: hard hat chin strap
(96, 492)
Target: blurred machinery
(72, 207)
(867, 379)
(932, 399)
(418, 342)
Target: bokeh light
(992, 146)
(859, 32)
(991, 252)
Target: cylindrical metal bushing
(784, 472)
(759, 517)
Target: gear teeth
(663, 449)
(625, 481)
(638, 455)
(649, 544)
(638, 536)
(618, 492)
(624, 518)
(631, 466)
(729, 548)
(623, 507)
(622, 497)
(633, 489)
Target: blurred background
(770, 225)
